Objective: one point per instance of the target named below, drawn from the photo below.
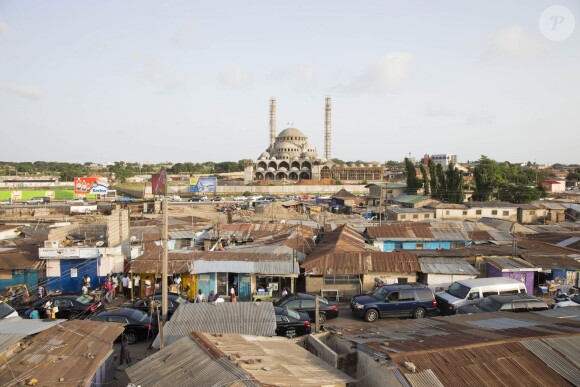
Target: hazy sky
(190, 80)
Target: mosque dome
(291, 132)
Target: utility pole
(380, 205)
(316, 314)
(164, 284)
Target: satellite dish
(99, 243)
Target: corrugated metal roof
(405, 210)
(552, 262)
(19, 325)
(361, 263)
(569, 347)
(183, 234)
(447, 266)
(505, 364)
(73, 350)
(410, 199)
(511, 264)
(8, 340)
(185, 363)
(249, 267)
(278, 361)
(425, 378)
(554, 360)
(568, 242)
(504, 323)
(246, 318)
(492, 204)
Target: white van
(470, 291)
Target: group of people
(214, 297)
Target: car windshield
(380, 294)
(138, 315)
(5, 310)
(84, 299)
(489, 305)
(179, 300)
(292, 313)
(458, 290)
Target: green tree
(413, 182)
(433, 180)
(426, 185)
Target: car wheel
(131, 337)
(419, 313)
(371, 315)
(321, 318)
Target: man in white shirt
(125, 282)
(137, 285)
(200, 297)
(115, 285)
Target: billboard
(159, 183)
(203, 184)
(91, 185)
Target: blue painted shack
(418, 236)
(19, 264)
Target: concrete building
(403, 214)
(291, 157)
(554, 186)
(444, 159)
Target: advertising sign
(203, 184)
(159, 183)
(16, 195)
(91, 185)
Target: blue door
(72, 272)
(245, 289)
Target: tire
(419, 313)
(371, 315)
(131, 337)
(321, 318)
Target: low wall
(322, 351)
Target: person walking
(233, 297)
(147, 286)
(137, 286)
(115, 282)
(40, 290)
(200, 297)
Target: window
(474, 295)
(281, 318)
(532, 212)
(406, 295)
(508, 292)
(308, 304)
(294, 304)
(341, 279)
(424, 294)
(464, 212)
(488, 293)
(403, 216)
(477, 212)
(415, 216)
(118, 319)
(402, 280)
(393, 296)
(447, 212)
(222, 283)
(426, 216)
(494, 212)
(506, 213)
(419, 246)
(63, 303)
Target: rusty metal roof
(511, 264)
(184, 363)
(72, 351)
(420, 231)
(361, 262)
(343, 239)
(447, 266)
(546, 262)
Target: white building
(443, 159)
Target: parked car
(398, 300)
(470, 291)
(70, 306)
(7, 201)
(139, 325)
(240, 198)
(568, 300)
(7, 311)
(291, 323)
(37, 200)
(218, 199)
(302, 302)
(173, 304)
(196, 198)
(515, 303)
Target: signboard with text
(203, 184)
(91, 185)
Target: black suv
(513, 303)
(404, 300)
(302, 302)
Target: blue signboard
(203, 184)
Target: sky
(190, 81)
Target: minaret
(272, 122)
(327, 130)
